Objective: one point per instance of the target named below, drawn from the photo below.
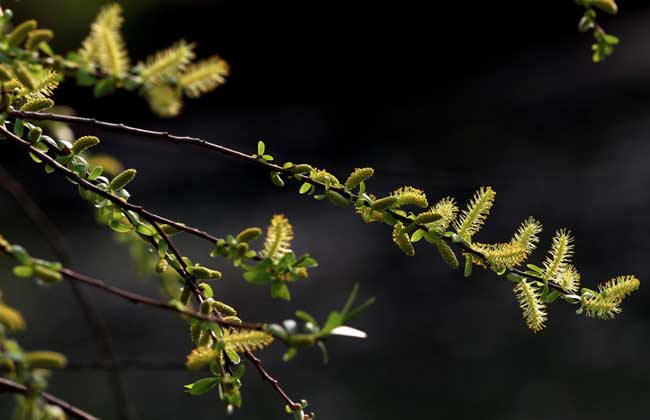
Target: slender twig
(10, 386)
(56, 241)
(125, 205)
(156, 303)
(198, 142)
(144, 300)
(257, 362)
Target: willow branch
(56, 241)
(143, 300)
(156, 303)
(9, 386)
(198, 142)
(119, 202)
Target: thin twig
(10, 386)
(156, 303)
(198, 142)
(257, 362)
(56, 241)
(144, 300)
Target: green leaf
(334, 319)
(359, 309)
(145, 230)
(280, 291)
(21, 255)
(23, 271)
(233, 356)
(84, 78)
(323, 350)
(120, 227)
(351, 299)
(162, 249)
(304, 188)
(305, 316)
(290, 354)
(535, 269)
(552, 297)
(96, 173)
(306, 261)
(468, 266)
(261, 147)
(417, 235)
(19, 127)
(202, 386)
(104, 87)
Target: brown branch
(139, 299)
(56, 241)
(146, 214)
(156, 303)
(9, 386)
(257, 362)
(198, 142)
(153, 217)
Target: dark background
(447, 96)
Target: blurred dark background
(447, 96)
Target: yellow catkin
(243, 340)
(384, 203)
(84, 143)
(232, 318)
(533, 309)
(5, 73)
(358, 176)
(24, 76)
(278, 238)
(11, 318)
(20, 32)
(123, 179)
(601, 307)
(619, 287)
(167, 62)
(45, 360)
(164, 100)
(249, 234)
(204, 76)
(225, 310)
(200, 357)
(473, 217)
(427, 217)
(47, 274)
(37, 105)
(36, 37)
(559, 255)
(447, 254)
(402, 239)
(528, 234)
(336, 198)
(411, 196)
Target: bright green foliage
(604, 42)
